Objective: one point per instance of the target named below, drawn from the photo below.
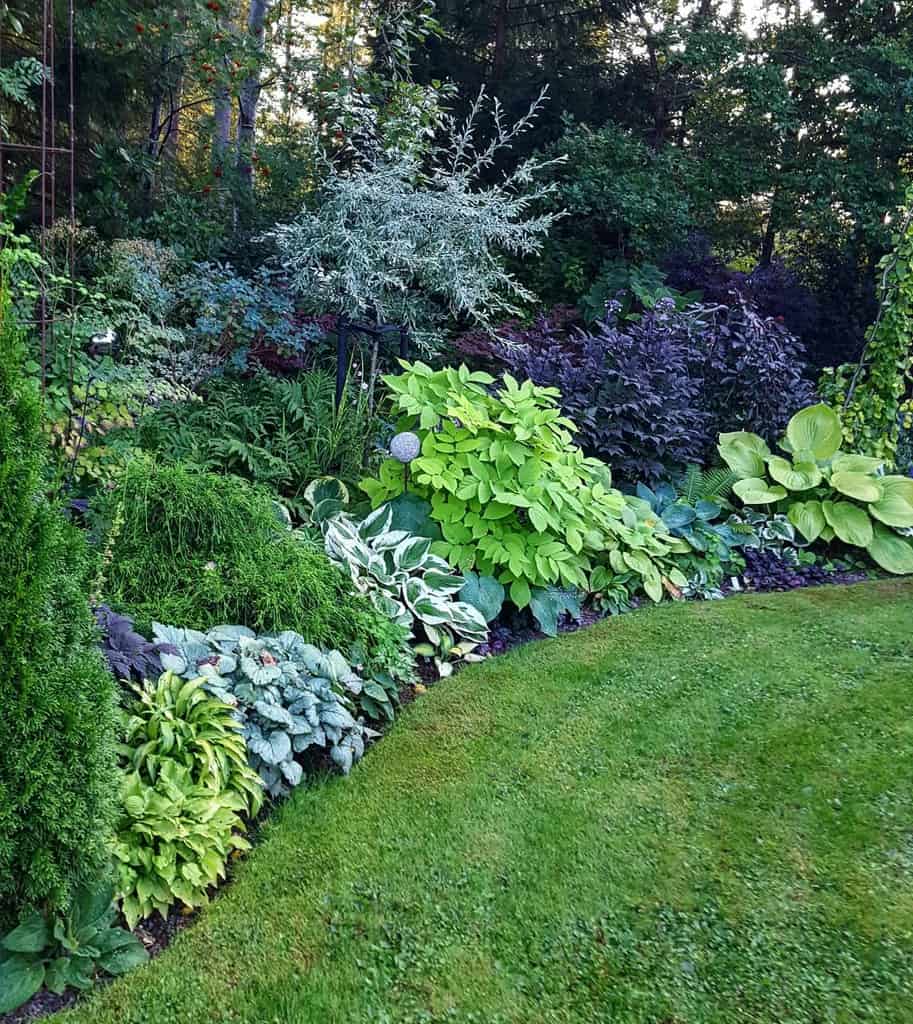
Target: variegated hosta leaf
(377, 523)
(411, 553)
(444, 583)
(388, 541)
(425, 605)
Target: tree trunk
(152, 139)
(249, 97)
(222, 132)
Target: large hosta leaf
(755, 491)
(892, 552)
(856, 464)
(895, 507)
(743, 453)
(484, 593)
(808, 519)
(798, 476)
(856, 485)
(849, 522)
(816, 428)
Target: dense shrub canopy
(57, 726)
(654, 394)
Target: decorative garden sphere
(405, 447)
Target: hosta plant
(288, 695)
(514, 497)
(826, 494)
(174, 840)
(66, 949)
(175, 719)
(407, 582)
(713, 543)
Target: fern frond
(690, 486)
(717, 482)
(705, 484)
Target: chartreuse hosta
(514, 496)
(827, 494)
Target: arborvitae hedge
(58, 780)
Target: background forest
(704, 141)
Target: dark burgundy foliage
(630, 390)
(484, 349)
(653, 395)
(129, 655)
(825, 300)
(752, 369)
(768, 570)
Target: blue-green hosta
(514, 497)
(403, 578)
(827, 494)
(289, 695)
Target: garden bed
(698, 813)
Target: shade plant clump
(289, 696)
(828, 495)
(514, 497)
(651, 396)
(68, 948)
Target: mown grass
(691, 815)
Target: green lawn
(698, 813)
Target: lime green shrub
(514, 496)
(58, 784)
(826, 493)
(198, 549)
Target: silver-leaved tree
(409, 231)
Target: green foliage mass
(406, 581)
(176, 719)
(57, 727)
(699, 813)
(514, 496)
(872, 392)
(174, 839)
(279, 433)
(290, 696)
(620, 197)
(198, 549)
(66, 948)
(827, 494)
